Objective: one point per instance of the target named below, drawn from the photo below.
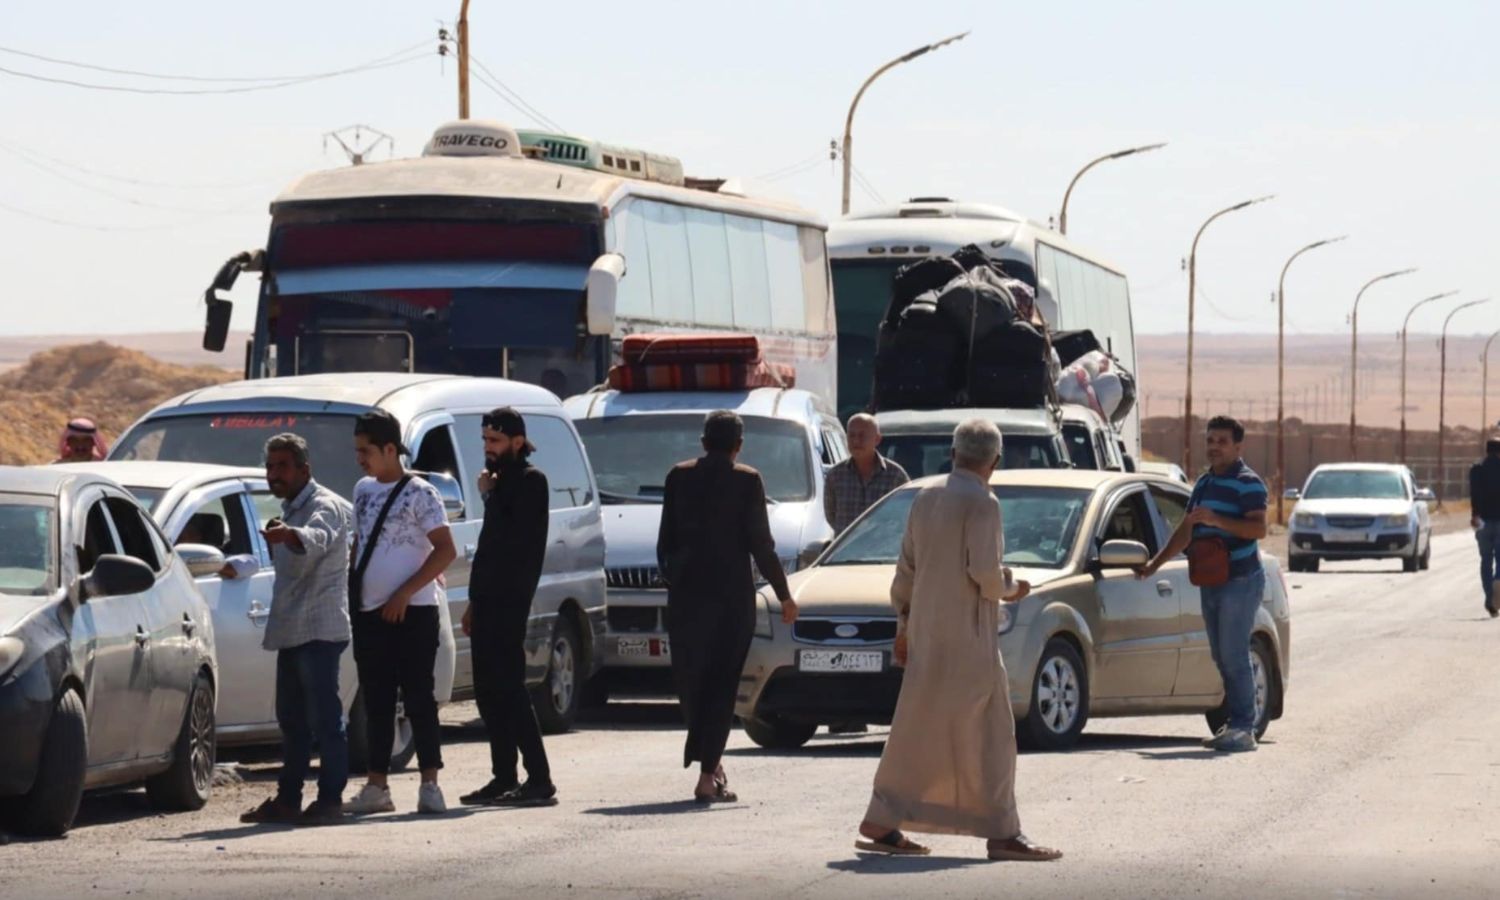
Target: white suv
(1360, 511)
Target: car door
(110, 636)
(169, 624)
(437, 450)
(1196, 673)
(221, 516)
(1138, 641)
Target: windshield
(1039, 524)
(931, 454)
(861, 292)
(28, 563)
(239, 439)
(631, 455)
(147, 497)
(1080, 446)
(1356, 484)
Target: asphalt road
(1383, 780)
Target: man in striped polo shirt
(1228, 502)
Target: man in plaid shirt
(854, 484)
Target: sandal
(721, 794)
(1021, 849)
(892, 844)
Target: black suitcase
(1074, 345)
(1008, 386)
(915, 279)
(976, 305)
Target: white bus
(1075, 289)
(525, 255)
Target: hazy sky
(1376, 119)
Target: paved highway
(1382, 780)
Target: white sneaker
(430, 799)
(371, 798)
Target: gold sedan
(1092, 639)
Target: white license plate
(841, 661)
(1347, 537)
(655, 647)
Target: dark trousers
(497, 645)
(399, 657)
(1488, 537)
(308, 708)
(710, 641)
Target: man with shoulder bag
(1225, 521)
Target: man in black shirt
(507, 567)
(1484, 503)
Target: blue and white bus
(526, 255)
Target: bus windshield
(861, 292)
(239, 439)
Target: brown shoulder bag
(1208, 561)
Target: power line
(115, 195)
(90, 226)
(511, 96)
(792, 168)
(139, 182)
(246, 89)
(139, 74)
(866, 185)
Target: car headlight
(1397, 521)
(1305, 520)
(11, 651)
(763, 616)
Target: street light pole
(1187, 400)
(1281, 373)
(1354, 355)
(1062, 217)
(849, 121)
(1484, 390)
(1443, 391)
(1406, 322)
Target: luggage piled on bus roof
(963, 331)
(696, 362)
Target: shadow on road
(1118, 741)
(828, 748)
(880, 864)
(240, 831)
(645, 715)
(661, 808)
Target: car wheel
(185, 785)
(1294, 563)
(403, 747)
(557, 700)
(1426, 562)
(1059, 699)
(48, 809)
(1413, 562)
(778, 734)
(1310, 564)
(1267, 691)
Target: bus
(1075, 289)
(525, 255)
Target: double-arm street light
(1281, 372)
(1407, 321)
(1484, 391)
(1062, 217)
(1354, 354)
(849, 122)
(1443, 391)
(1187, 400)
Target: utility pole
(463, 60)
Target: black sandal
(894, 843)
(721, 794)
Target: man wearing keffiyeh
(81, 441)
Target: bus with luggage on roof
(525, 255)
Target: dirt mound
(111, 385)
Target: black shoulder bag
(357, 573)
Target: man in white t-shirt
(393, 604)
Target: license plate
(841, 661)
(1347, 537)
(654, 647)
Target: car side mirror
(452, 493)
(202, 560)
(601, 291)
(118, 576)
(1123, 555)
(1425, 495)
(810, 553)
(1292, 494)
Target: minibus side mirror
(601, 291)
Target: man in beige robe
(949, 764)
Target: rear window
(239, 439)
(932, 454)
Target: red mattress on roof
(721, 347)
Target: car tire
(185, 785)
(1261, 661)
(48, 809)
(595, 692)
(779, 734)
(1059, 699)
(1310, 564)
(1426, 562)
(1412, 563)
(1294, 563)
(358, 734)
(557, 699)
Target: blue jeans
(307, 708)
(1229, 618)
(1488, 537)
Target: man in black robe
(713, 522)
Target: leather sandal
(1021, 849)
(893, 843)
(721, 794)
